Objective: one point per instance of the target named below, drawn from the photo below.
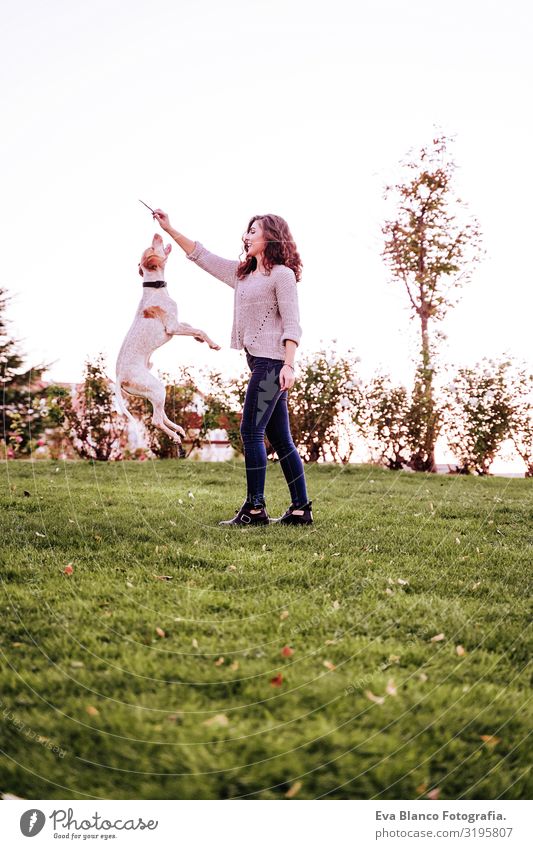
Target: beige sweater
(265, 307)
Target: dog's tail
(121, 403)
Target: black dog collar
(154, 284)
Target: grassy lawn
(116, 683)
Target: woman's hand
(162, 219)
(286, 378)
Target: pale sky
(217, 111)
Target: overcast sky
(217, 111)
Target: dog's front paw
(180, 429)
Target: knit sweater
(265, 306)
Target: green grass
(331, 592)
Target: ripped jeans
(265, 411)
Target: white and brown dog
(155, 322)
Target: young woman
(266, 324)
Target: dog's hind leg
(173, 425)
(147, 386)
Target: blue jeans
(265, 411)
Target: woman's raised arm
(163, 221)
(222, 269)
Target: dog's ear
(168, 248)
(141, 272)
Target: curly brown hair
(280, 247)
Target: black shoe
(297, 515)
(249, 515)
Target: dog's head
(155, 256)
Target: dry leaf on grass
(460, 650)
(160, 632)
(234, 666)
(437, 638)
(287, 651)
(329, 665)
(194, 643)
(402, 583)
(422, 788)
(77, 664)
(293, 790)
(490, 741)
(391, 689)
(163, 577)
(336, 604)
(92, 711)
(277, 681)
(378, 700)
(284, 614)
(69, 569)
(219, 661)
(220, 720)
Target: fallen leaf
(378, 700)
(219, 662)
(129, 585)
(69, 569)
(490, 741)
(17, 645)
(434, 794)
(220, 720)
(277, 681)
(231, 568)
(330, 642)
(92, 711)
(160, 632)
(403, 583)
(422, 788)
(388, 591)
(263, 547)
(437, 638)
(423, 677)
(460, 650)
(37, 534)
(171, 522)
(77, 664)
(293, 790)
(194, 643)
(457, 540)
(390, 689)
(287, 651)
(97, 537)
(234, 666)
(284, 614)
(163, 577)
(394, 658)
(329, 665)
(336, 604)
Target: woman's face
(253, 239)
